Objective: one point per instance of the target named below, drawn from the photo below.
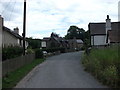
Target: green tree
(74, 31)
(34, 43)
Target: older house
(104, 33)
(10, 37)
(75, 44)
(54, 41)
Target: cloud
(46, 16)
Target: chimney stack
(108, 24)
(16, 30)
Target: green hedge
(38, 53)
(104, 64)
(11, 52)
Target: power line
(9, 17)
(2, 12)
(12, 10)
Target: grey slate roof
(12, 32)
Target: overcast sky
(46, 16)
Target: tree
(34, 43)
(74, 31)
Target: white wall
(43, 44)
(9, 39)
(98, 40)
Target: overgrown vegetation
(11, 52)
(104, 64)
(12, 78)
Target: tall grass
(104, 64)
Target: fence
(15, 63)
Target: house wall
(98, 40)
(9, 39)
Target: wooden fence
(15, 63)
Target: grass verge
(104, 64)
(12, 78)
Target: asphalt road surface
(60, 71)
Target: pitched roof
(114, 36)
(99, 28)
(12, 32)
(46, 38)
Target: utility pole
(24, 27)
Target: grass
(104, 64)
(12, 78)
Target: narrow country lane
(60, 71)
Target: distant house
(54, 41)
(79, 44)
(45, 43)
(104, 33)
(75, 44)
(11, 37)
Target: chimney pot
(16, 30)
(107, 16)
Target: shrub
(29, 51)
(38, 53)
(11, 52)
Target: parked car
(44, 53)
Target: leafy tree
(75, 32)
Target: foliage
(38, 53)
(79, 33)
(75, 32)
(29, 51)
(11, 52)
(34, 43)
(101, 62)
(12, 78)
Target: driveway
(60, 71)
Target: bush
(11, 52)
(38, 53)
(29, 51)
